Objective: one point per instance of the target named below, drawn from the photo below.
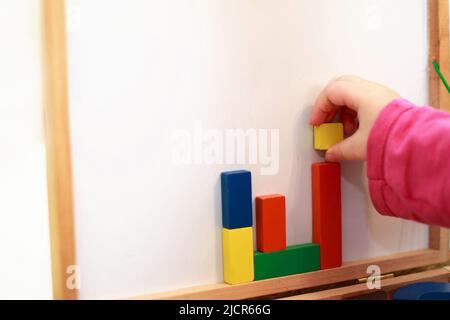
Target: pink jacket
(408, 163)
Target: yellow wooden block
(238, 264)
(327, 135)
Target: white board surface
(142, 71)
(25, 268)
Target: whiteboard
(25, 268)
(149, 77)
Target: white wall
(141, 70)
(24, 236)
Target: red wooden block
(271, 223)
(327, 213)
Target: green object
(438, 70)
(294, 260)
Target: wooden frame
(267, 288)
(60, 179)
(439, 50)
(388, 286)
(59, 167)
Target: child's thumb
(349, 149)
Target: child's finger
(349, 120)
(332, 115)
(344, 93)
(323, 110)
(338, 94)
(349, 149)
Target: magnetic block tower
(327, 135)
(237, 232)
(326, 198)
(273, 257)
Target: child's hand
(359, 103)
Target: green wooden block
(294, 260)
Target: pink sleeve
(408, 163)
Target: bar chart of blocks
(273, 257)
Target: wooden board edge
(349, 271)
(59, 167)
(439, 50)
(439, 240)
(387, 285)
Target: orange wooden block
(271, 223)
(327, 213)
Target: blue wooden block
(237, 199)
(424, 291)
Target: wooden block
(327, 135)
(271, 223)
(327, 216)
(237, 199)
(294, 260)
(237, 249)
